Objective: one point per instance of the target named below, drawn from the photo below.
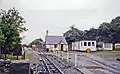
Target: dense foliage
(11, 25)
(106, 32)
(73, 34)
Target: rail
(47, 62)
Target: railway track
(67, 68)
(54, 65)
(50, 66)
(57, 59)
(101, 65)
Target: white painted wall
(65, 47)
(51, 47)
(107, 46)
(75, 45)
(117, 45)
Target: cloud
(59, 4)
(0, 2)
(58, 21)
(57, 15)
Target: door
(61, 47)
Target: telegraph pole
(45, 38)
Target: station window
(93, 43)
(89, 43)
(85, 43)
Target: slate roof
(55, 40)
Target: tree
(104, 32)
(2, 40)
(90, 34)
(72, 35)
(111, 31)
(12, 24)
(115, 30)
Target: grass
(11, 57)
(28, 56)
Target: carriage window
(89, 43)
(85, 43)
(93, 44)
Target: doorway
(61, 47)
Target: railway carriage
(84, 45)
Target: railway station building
(56, 43)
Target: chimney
(46, 32)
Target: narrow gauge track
(55, 65)
(57, 59)
(64, 66)
(50, 66)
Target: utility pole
(45, 37)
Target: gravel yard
(108, 55)
(100, 62)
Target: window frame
(93, 43)
(89, 43)
(85, 43)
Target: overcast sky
(57, 15)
